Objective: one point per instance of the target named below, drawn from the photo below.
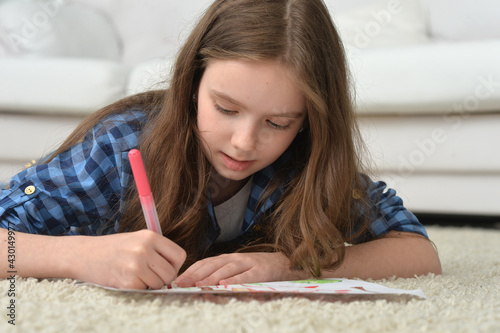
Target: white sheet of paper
(319, 286)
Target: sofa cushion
(149, 75)
(430, 78)
(59, 85)
(61, 29)
(152, 28)
(382, 23)
(463, 19)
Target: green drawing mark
(254, 284)
(316, 281)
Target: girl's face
(249, 112)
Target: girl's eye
(222, 110)
(278, 127)
(273, 125)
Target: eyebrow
(231, 100)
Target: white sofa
(426, 80)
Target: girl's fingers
(154, 262)
(163, 263)
(163, 270)
(226, 271)
(235, 268)
(171, 252)
(140, 275)
(152, 280)
(243, 277)
(204, 271)
(196, 272)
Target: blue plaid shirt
(81, 191)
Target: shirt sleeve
(388, 212)
(79, 192)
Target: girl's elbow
(431, 262)
(435, 265)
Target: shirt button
(30, 190)
(29, 165)
(256, 228)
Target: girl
(252, 159)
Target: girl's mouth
(235, 165)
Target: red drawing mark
(342, 291)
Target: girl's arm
(396, 254)
(400, 254)
(135, 260)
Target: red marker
(145, 195)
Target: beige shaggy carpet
(466, 298)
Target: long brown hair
(315, 216)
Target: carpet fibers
(466, 298)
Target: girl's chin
(231, 176)
(222, 173)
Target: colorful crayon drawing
(313, 286)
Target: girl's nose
(245, 138)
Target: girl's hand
(238, 268)
(134, 260)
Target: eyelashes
(271, 124)
(222, 110)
